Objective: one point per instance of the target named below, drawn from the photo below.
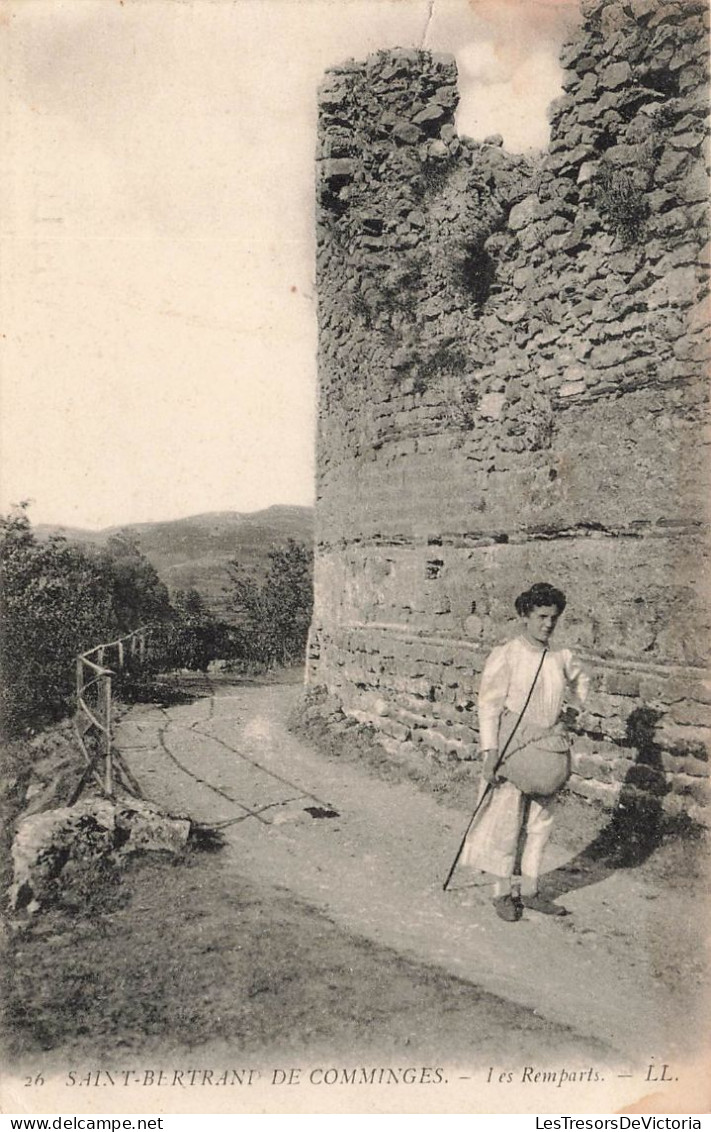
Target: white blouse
(507, 678)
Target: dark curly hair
(539, 594)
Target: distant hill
(194, 552)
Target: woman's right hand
(489, 768)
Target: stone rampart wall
(512, 368)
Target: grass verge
(184, 956)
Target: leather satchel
(537, 762)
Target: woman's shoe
(508, 908)
(538, 903)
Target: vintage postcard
(355, 558)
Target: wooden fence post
(98, 715)
(108, 769)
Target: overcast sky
(159, 333)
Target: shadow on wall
(636, 826)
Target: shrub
(192, 637)
(622, 201)
(58, 599)
(275, 613)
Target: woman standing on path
(522, 689)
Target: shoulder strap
(523, 709)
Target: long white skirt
(493, 839)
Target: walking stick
(490, 785)
(478, 806)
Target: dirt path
(375, 867)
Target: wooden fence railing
(93, 722)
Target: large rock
(50, 843)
